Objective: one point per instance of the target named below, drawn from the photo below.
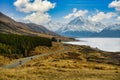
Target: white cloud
(76, 13)
(74, 10)
(37, 5)
(115, 4)
(38, 18)
(101, 16)
(80, 13)
(118, 18)
(37, 10)
(68, 16)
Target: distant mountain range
(110, 31)
(54, 26)
(8, 25)
(80, 27)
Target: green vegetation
(54, 39)
(21, 44)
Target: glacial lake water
(105, 44)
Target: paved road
(22, 61)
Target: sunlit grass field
(76, 63)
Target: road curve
(22, 61)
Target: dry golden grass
(48, 73)
(5, 60)
(77, 63)
(44, 49)
(38, 50)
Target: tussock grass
(5, 60)
(45, 49)
(74, 64)
(33, 73)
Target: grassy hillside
(76, 63)
(5, 60)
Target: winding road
(22, 61)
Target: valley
(21, 42)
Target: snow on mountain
(83, 27)
(110, 31)
(113, 27)
(81, 24)
(54, 26)
(77, 24)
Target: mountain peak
(79, 18)
(78, 21)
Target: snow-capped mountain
(110, 31)
(54, 26)
(113, 27)
(81, 27)
(81, 24)
(77, 24)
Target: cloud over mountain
(36, 10)
(76, 13)
(115, 4)
(119, 18)
(100, 16)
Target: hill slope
(79, 62)
(40, 28)
(8, 25)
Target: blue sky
(68, 5)
(61, 9)
(7, 7)
(64, 7)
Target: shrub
(53, 39)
